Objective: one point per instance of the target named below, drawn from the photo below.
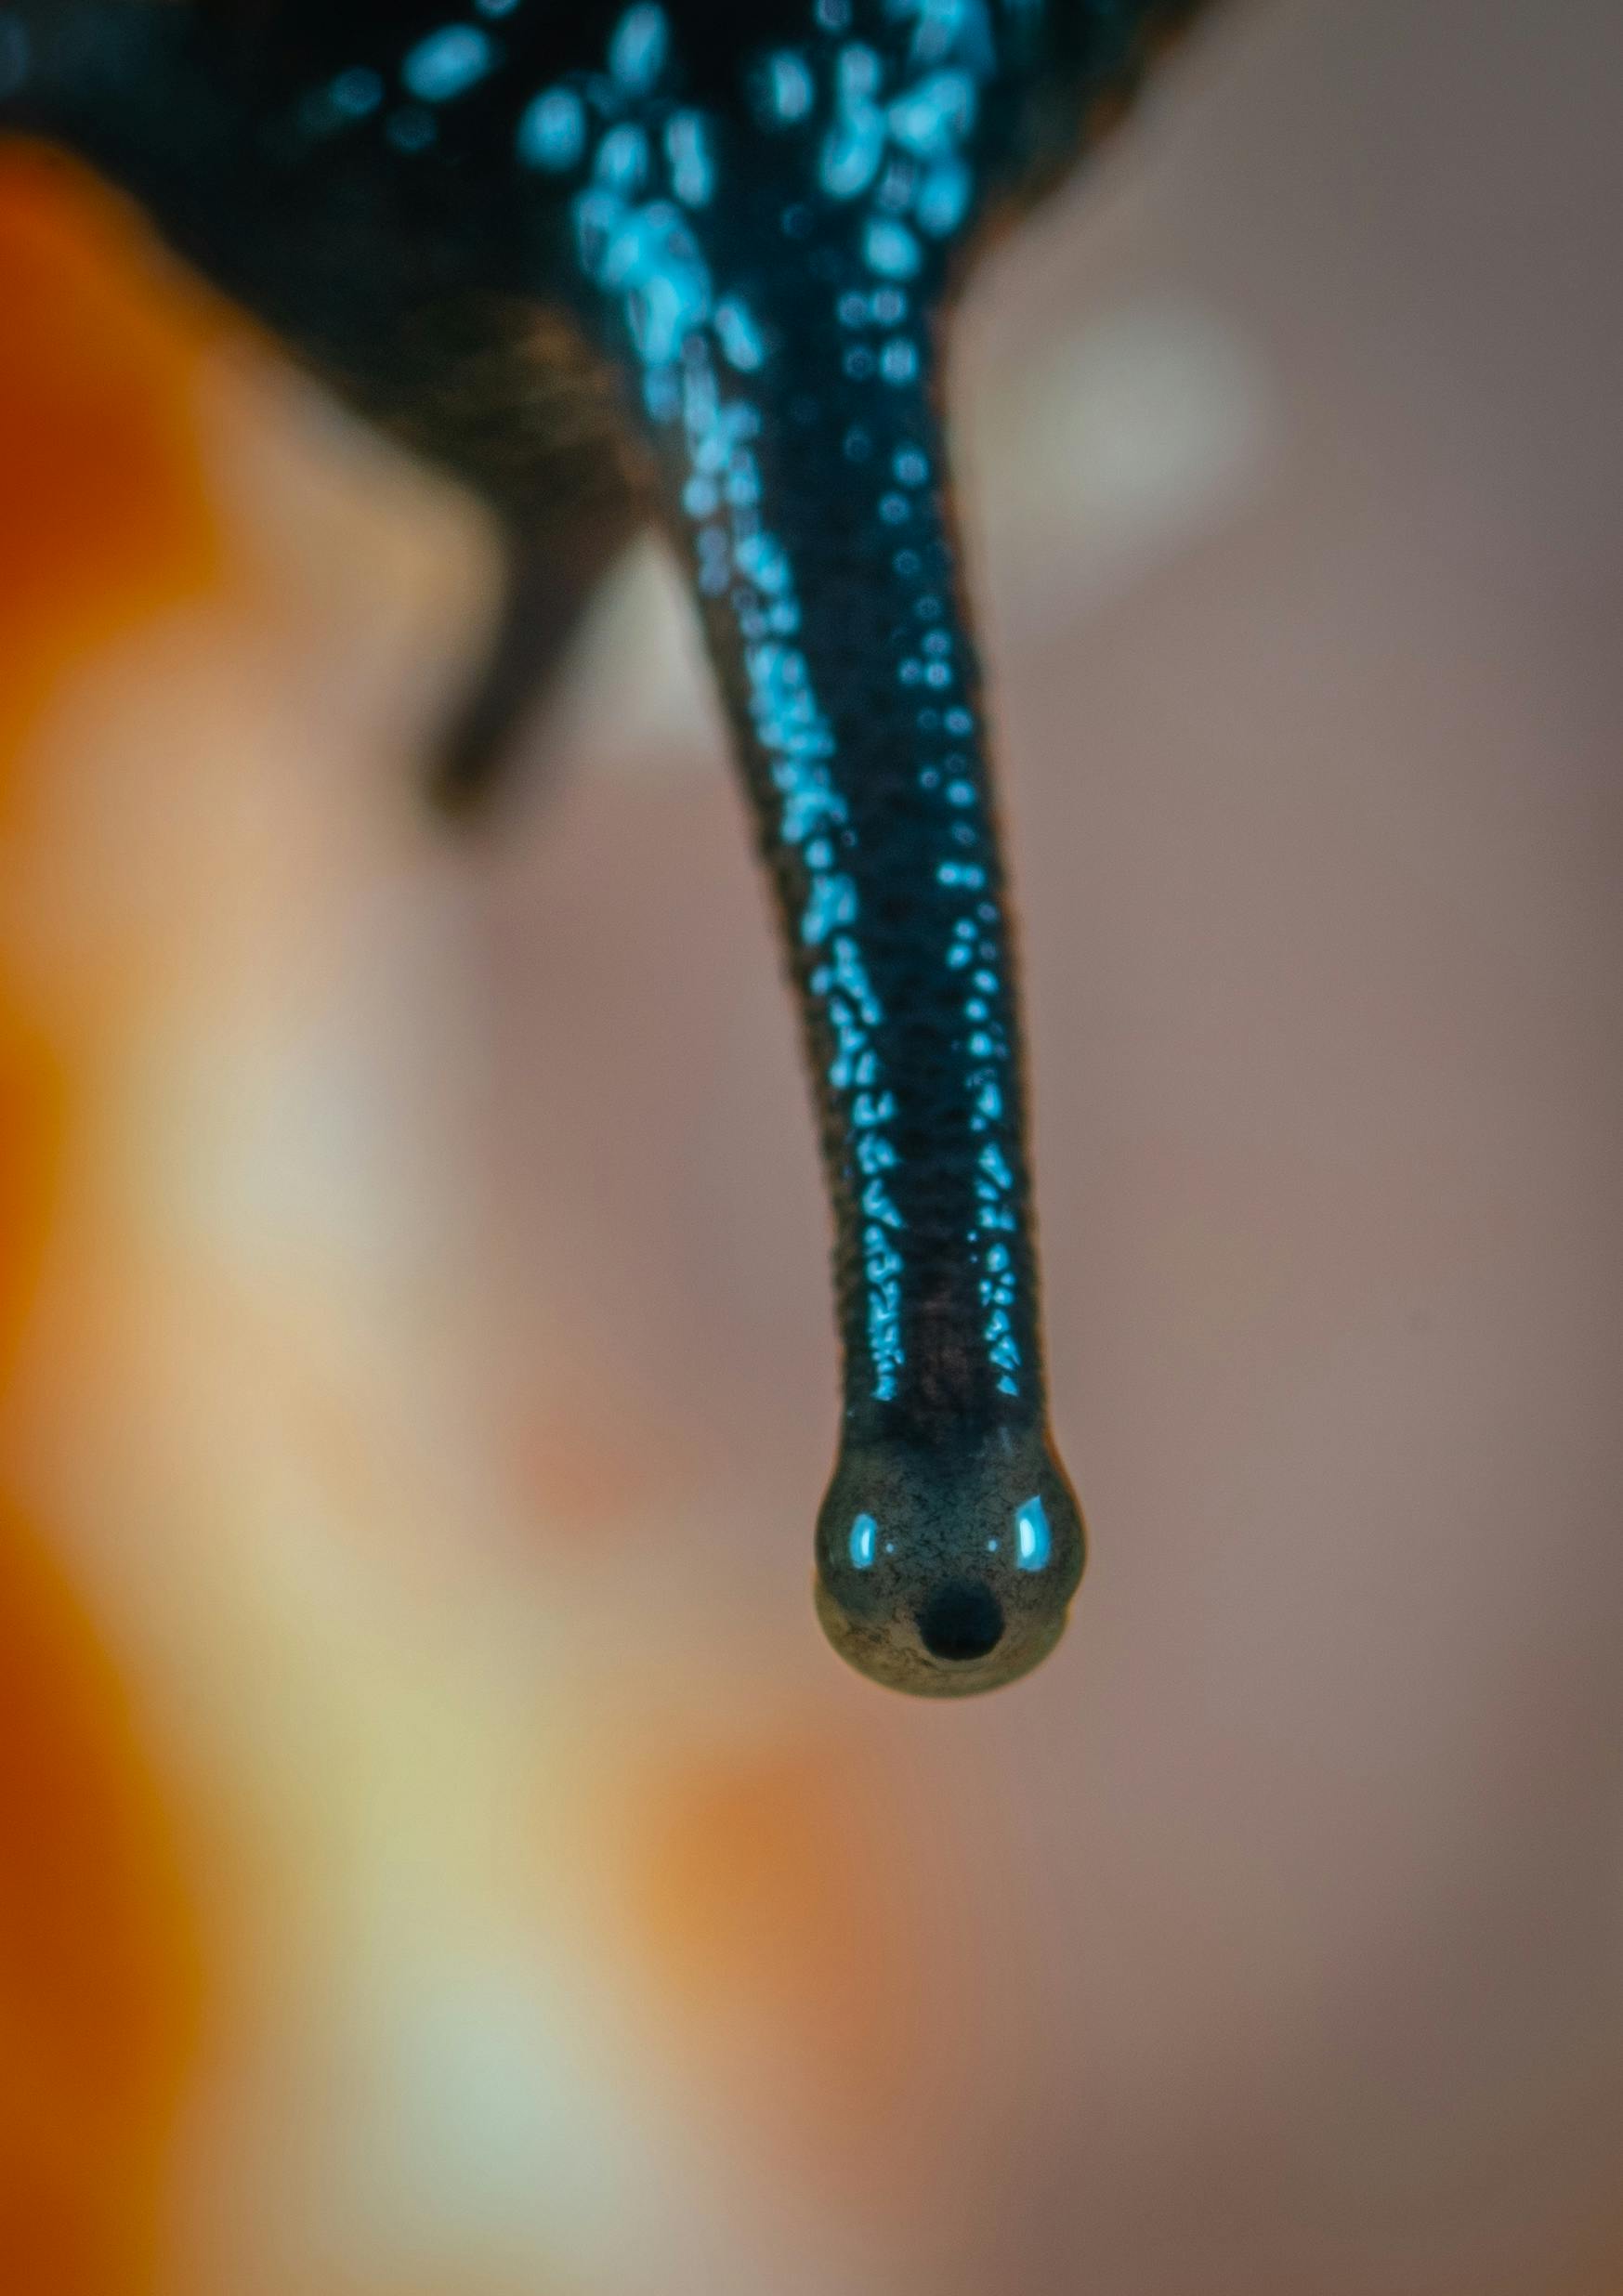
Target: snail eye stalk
(712, 246)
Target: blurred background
(437, 1855)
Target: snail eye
(1033, 1540)
(864, 1541)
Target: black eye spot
(960, 1622)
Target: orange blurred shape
(31, 1094)
(104, 518)
(98, 1966)
(777, 1921)
(104, 508)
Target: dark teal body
(698, 258)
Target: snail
(694, 260)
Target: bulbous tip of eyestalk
(948, 1568)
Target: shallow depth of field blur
(437, 1855)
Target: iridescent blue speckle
(891, 249)
(739, 337)
(447, 63)
(552, 130)
(356, 93)
(1033, 1540)
(636, 52)
(786, 88)
(692, 165)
